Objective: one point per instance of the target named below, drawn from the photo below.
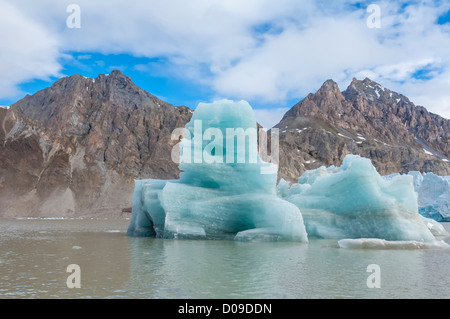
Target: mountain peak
(77, 146)
(78, 78)
(73, 102)
(329, 93)
(366, 119)
(373, 92)
(329, 85)
(327, 98)
(115, 74)
(367, 82)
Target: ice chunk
(435, 227)
(434, 196)
(225, 190)
(377, 243)
(148, 216)
(354, 201)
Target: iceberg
(354, 201)
(225, 190)
(435, 227)
(433, 194)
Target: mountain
(75, 148)
(365, 119)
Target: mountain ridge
(365, 119)
(75, 147)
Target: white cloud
(433, 94)
(298, 61)
(27, 50)
(268, 118)
(260, 50)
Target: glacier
(354, 201)
(433, 194)
(225, 190)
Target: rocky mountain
(365, 119)
(75, 148)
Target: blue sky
(91, 64)
(147, 73)
(269, 53)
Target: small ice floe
(377, 243)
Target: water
(34, 255)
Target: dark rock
(365, 119)
(76, 147)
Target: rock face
(75, 148)
(368, 120)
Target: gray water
(34, 255)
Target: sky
(269, 53)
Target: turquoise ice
(354, 201)
(433, 194)
(225, 190)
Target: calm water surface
(34, 255)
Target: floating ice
(435, 227)
(354, 201)
(225, 190)
(433, 194)
(377, 243)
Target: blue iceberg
(354, 201)
(433, 194)
(225, 190)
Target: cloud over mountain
(262, 51)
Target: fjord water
(35, 253)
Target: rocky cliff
(365, 119)
(75, 148)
